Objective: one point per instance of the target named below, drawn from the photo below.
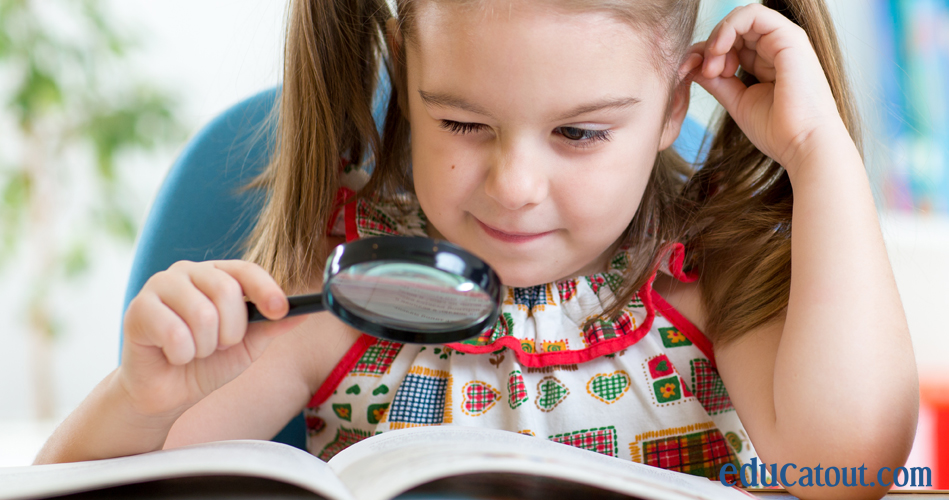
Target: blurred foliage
(72, 109)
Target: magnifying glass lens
(410, 296)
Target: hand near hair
(793, 103)
(786, 376)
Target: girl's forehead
(529, 50)
(492, 17)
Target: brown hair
(733, 214)
(739, 232)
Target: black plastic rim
(413, 250)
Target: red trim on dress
(684, 326)
(676, 260)
(343, 196)
(349, 216)
(344, 202)
(342, 369)
(541, 359)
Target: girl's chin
(540, 273)
(518, 278)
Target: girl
(637, 291)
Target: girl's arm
(833, 383)
(105, 425)
(255, 405)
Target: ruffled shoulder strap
(672, 260)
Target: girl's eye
(460, 127)
(583, 138)
(577, 137)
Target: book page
(388, 464)
(241, 458)
(508, 486)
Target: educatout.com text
(756, 474)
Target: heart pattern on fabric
(478, 397)
(517, 389)
(609, 388)
(550, 393)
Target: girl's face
(534, 132)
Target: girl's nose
(517, 177)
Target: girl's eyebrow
(605, 103)
(445, 100)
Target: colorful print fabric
(642, 387)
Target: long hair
(332, 58)
(739, 232)
(733, 213)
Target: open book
(458, 462)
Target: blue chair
(197, 214)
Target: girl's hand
(186, 332)
(792, 105)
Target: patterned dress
(641, 388)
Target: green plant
(71, 112)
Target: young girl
(636, 290)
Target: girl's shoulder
(318, 345)
(684, 297)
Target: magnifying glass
(406, 289)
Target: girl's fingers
(727, 91)
(192, 309)
(224, 284)
(755, 27)
(748, 59)
(731, 64)
(714, 64)
(151, 323)
(228, 297)
(177, 290)
(736, 27)
(689, 67)
(258, 285)
(698, 48)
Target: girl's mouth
(510, 237)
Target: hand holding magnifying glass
(406, 289)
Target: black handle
(299, 304)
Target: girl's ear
(679, 106)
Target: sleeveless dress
(643, 387)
